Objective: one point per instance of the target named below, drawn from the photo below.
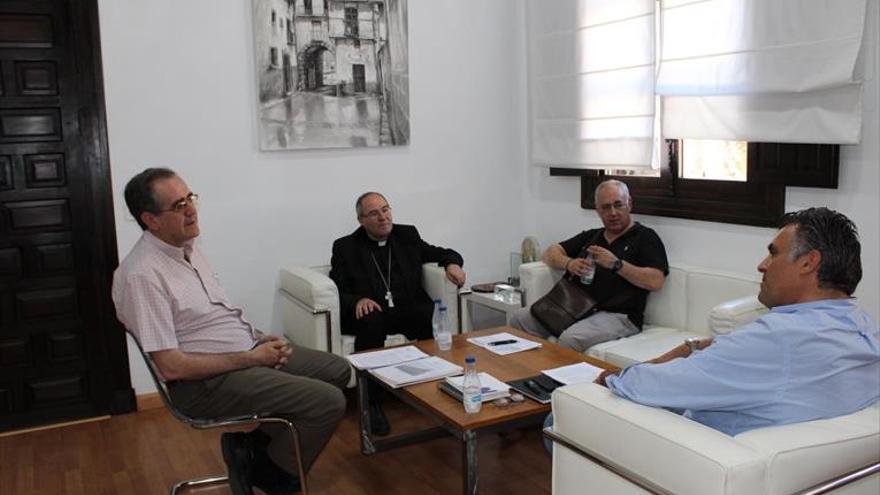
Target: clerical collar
(382, 243)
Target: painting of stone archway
(331, 73)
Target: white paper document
(386, 357)
(504, 343)
(491, 387)
(574, 373)
(418, 371)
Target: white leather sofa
(606, 444)
(310, 306)
(694, 302)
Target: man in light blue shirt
(814, 355)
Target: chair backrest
(161, 386)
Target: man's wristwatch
(617, 265)
(693, 343)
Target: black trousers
(411, 319)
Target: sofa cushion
(669, 450)
(708, 288)
(668, 306)
(804, 454)
(650, 343)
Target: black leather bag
(566, 303)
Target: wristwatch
(693, 343)
(617, 265)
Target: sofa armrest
(310, 308)
(730, 315)
(536, 279)
(439, 287)
(661, 447)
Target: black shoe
(239, 462)
(378, 422)
(273, 480)
(267, 475)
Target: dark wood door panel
(36, 78)
(62, 352)
(15, 353)
(26, 30)
(21, 125)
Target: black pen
(503, 342)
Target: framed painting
(331, 74)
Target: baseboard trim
(53, 426)
(146, 402)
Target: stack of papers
(504, 343)
(574, 373)
(386, 357)
(416, 371)
(491, 387)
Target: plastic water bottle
(435, 318)
(587, 277)
(442, 335)
(472, 392)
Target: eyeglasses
(374, 214)
(617, 205)
(180, 205)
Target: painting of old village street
(331, 74)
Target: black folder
(538, 387)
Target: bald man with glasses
(629, 261)
(215, 362)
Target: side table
(492, 300)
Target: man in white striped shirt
(214, 361)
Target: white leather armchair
(310, 306)
(613, 445)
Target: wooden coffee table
(449, 413)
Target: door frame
(118, 395)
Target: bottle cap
(438, 301)
(470, 359)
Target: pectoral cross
(389, 298)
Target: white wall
(181, 92)
(553, 211)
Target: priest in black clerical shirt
(378, 271)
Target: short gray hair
(608, 183)
(359, 204)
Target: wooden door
(62, 353)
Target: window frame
(351, 20)
(759, 201)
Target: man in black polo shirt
(629, 261)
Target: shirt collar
(626, 235)
(822, 303)
(178, 253)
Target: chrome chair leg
(208, 480)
